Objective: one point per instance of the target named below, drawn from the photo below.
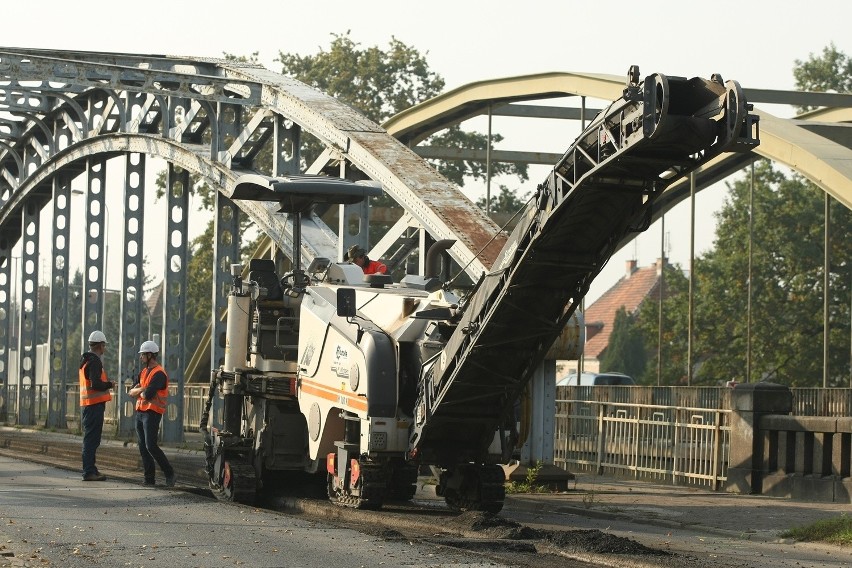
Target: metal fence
(194, 400)
(832, 403)
(604, 430)
(672, 434)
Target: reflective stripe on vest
(88, 395)
(158, 403)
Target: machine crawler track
(482, 489)
(368, 492)
(402, 484)
(239, 483)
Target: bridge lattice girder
(62, 111)
(65, 113)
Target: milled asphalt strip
(332, 512)
(528, 506)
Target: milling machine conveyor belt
(600, 191)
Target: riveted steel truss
(66, 114)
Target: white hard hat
(97, 337)
(149, 347)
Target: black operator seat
(262, 271)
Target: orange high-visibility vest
(88, 395)
(158, 403)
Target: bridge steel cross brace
(60, 370)
(5, 322)
(28, 306)
(93, 275)
(133, 287)
(226, 251)
(173, 347)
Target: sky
(754, 42)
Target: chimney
(661, 262)
(630, 268)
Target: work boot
(170, 480)
(94, 477)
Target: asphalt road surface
(49, 517)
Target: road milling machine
(365, 380)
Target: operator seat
(262, 271)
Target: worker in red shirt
(357, 255)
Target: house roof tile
(629, 292)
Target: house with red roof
(637, 285)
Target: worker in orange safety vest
(151, 394)
(94, 394)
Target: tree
(673, 351)
(375, 82)
(74, 326)
(457, 170)
(787, 319)
(830, 72)
(626, 351)
(506, 201)
(381, 83)
(787, 289)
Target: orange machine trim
(338, 396)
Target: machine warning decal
(307, 355)
(340, 363)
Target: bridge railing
(810, 401)
(805, 456)
(684, 435)
(831, 402)
(624, 431)
(195, 398)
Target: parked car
(597, 379)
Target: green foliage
(378, 83)
(837, 530)
(74, 326)
(787, 287)
(506, 201)
(626, 351)
(673, 350)
(253, 58)
(199, 300)
(787, 291)
(829, 72)
(529, 483)
(458, 170)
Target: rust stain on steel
(444, 199)
(462, 224)
(410, 180)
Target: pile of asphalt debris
(491, 529)
(592, 540)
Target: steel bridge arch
(86, 93)
(60, 109)
(817, 145)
